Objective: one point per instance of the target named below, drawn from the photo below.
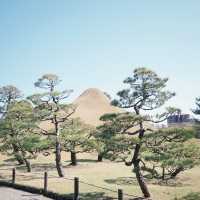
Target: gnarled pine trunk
(100, 157)
(17, 154)
(139, 176)
(58, 150)
(26, 161)
(140, 180)
(136, 163)
(28, 165)
(58, 159)
(73, 159)
(163, 173)
(19, 159)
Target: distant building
(182, 120)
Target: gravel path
(12, 194)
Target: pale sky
(98, 43)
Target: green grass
(107, 174)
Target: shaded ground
(12, 194)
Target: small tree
(8, 95)
(50, 108)
(75, 138)
(146, 92)
(169, 152)
(18, 127)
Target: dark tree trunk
(16, 151)
(28, 165)
(100, 157)
(58, 159)
(140, 180)
(19, 159)
(176, 172)
(163, 173)
(136, 163)
(17, 155)
(73, 159)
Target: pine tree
(110, 140)
(18, 127)
(75, 138)
(8, 95)
(169, 152)
(49, 107)
(145, 92)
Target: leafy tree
(110, 140)
(145, 92)
(170, 151)
(18, 127)
(8, 95)
(75, 138)
(49, 107)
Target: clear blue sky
(97, 43)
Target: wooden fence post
(76, 188)
(45, 181)
(13, 175)
(120, 194)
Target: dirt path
(12, 194)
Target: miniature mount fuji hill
(92, 104)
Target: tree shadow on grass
(122, 181)
(102, 196)
(94, 196)
(87, 161)
(11, 163)
(82, 161)
(168, 183)
(38, 167)
(133, 181)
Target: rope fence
(119, 194)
